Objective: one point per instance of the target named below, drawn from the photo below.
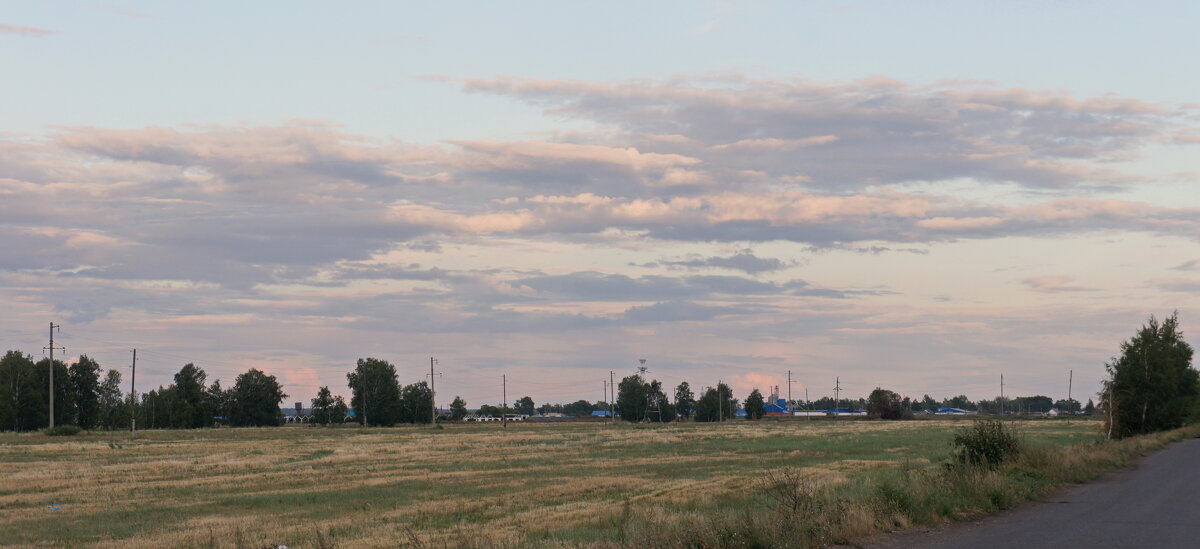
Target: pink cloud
(774, 144)
(1054, 284)
(25, 31)
(527, 155)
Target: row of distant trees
(88, 396)
(1151, 386)
(82, 395)
(639, 401)
(886, 404)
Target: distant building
(952, 412)
(299, 414)
(776, 406)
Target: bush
(63, 431)
(885, 404)
(987, 443)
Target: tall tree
(21, 408)
(375, 380)
(1152, 384)
(323, 408)
(961, 402)
(416, 402)
(1070, 406)
(716, 404)
(659, 407)
(1033, 404)
(579, 408)
(114, 409)
(340, 409)
(632, 403)
(755, 406)
(84, 377)
(188, 403)
(685, 400)
(458, 408)
(219, 401)
(155, 409)
(488, 410)
(254, 400)
(524, 405)
(885, 404)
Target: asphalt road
(1155, 503)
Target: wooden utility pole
(1001, 394)
(133, 397)
(1070, 405)
(605, 382)
(504, 394)
(837, 396)
(53, 327)
(789, 400)
(612, 410)
(1110, 407)
(432, 393)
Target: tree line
(89, 397)
(1151, 386)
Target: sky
(920, 196)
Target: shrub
(793, 490)
(63, 431)
(986, 443)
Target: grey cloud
(429, 246)
(744, 261)
(870, 250)
(1180, 285)
(681, 311)
(244, 206)
(868, 132)
(411, 272)
(590, 285)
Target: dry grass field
(569, 484)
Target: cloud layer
(658, 218)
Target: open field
(532, 484)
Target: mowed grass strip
(549, 484)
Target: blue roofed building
(776, 406)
